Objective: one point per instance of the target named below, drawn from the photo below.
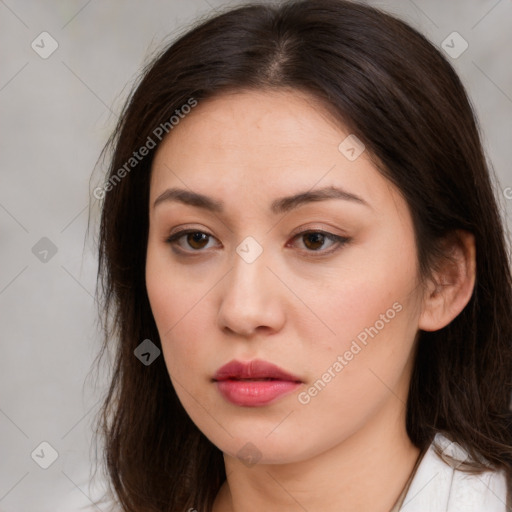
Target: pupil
(195, 238)
(317, 239)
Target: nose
(252, 298)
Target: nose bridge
(250, 268)
(248, 300)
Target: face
(323, 286)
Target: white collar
(439, 487)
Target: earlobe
(451, 288)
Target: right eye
(195, 239)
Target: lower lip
(255, 393)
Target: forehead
(266, 143)
(241, 124)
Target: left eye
(313, 240)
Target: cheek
(177, 318)
(372, 309)
(161, 290)
(169, 293)
(364, 367)
(172, 303)
(364, 295)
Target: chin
(257, 449)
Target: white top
(438, 486)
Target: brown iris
(201, 239)
(317, 240)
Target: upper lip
(255, 369)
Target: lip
(254, 383)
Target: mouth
(255, 383)
(255, 370)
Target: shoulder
(442, 486)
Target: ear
(451, 287)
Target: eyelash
(340, 241)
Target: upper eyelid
(307, 228)
(186, 231)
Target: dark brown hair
(394, 90)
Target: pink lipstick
(255, 383)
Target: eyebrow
(278, 206)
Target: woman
(304, 272)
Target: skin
(291, 306)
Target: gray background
(56, 114)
